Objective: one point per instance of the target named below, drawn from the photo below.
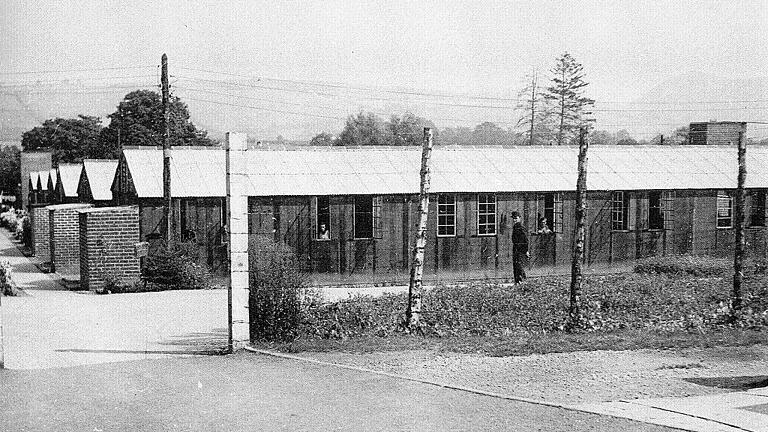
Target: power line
(70, 81)
(455, 105)
(255, 98)
(267, 109)
(76, 70)
(445, 95)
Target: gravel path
(571, 378)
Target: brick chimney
(715, 133)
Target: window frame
(656, 223)
(441, 217)
(355, 213)
(327, 214)
(486, 214)
(553, 213)
(757, 212)
(720, 198)
(620, 223)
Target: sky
(478, 49)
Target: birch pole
(578, 250)
(413, 313)
(738, 255)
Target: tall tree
(488, 133)
(138, 121)
(406, 130)
(535, 119)
(567, 103)
(10, 170)
(70, 140)
(363, 129)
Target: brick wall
(40, 232)
(65, 237)
(716, 133)
(107, 239)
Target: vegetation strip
(452, 387)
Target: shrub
(26, 236)
(685, 265)
(279, 297)
(7, 286)
(176, 268)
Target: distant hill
(265, 114)
(694, 96)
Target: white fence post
(237, 227)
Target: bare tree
(574, 312)
(530, 106)
(413, 313)
(738, 256)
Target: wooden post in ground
(738, 255)
(574, 311)
(2, 355)
(413, 313)
(167, 227)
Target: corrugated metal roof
(386, 170)
(69, 176)
(100, 174)
(195, 171)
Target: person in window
(519, 247)
(543, 227)
(323, 233)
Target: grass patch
(657, 310)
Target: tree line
(552, 114)
(137, 121)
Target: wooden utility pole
(533, 105)
(578, 250)
(167, 204)
(413, 313)
(738, 256)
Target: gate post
(237, 246)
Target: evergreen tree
(568, 106)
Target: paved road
(248, 392)
(48, 326)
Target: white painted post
(237, 228)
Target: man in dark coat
(519, 247)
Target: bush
(685, 265)
(7, 286)
(176, 268)
(279, 297)
(26, 236)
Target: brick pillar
(40, 232)
(108, 236)
(65, 237)
(237, 224)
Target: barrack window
(446, 215)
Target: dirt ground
(571, 378)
